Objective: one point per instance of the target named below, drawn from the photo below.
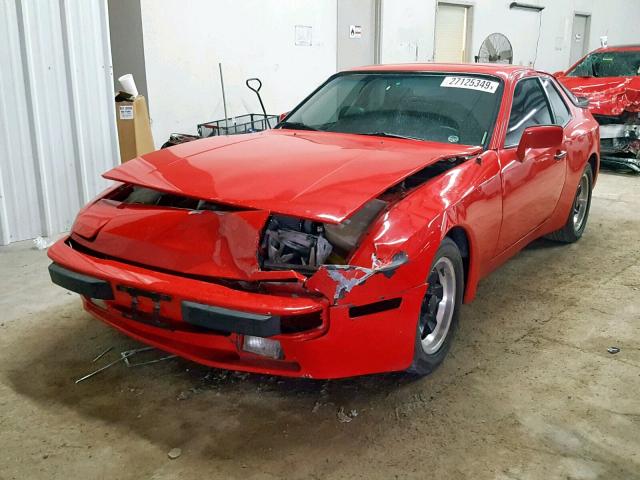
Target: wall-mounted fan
(496, 48)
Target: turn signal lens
(262, 346)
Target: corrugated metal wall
(57, 120)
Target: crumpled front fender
(466, 197)
(388, 262)
(337, 282)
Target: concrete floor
(527, 392)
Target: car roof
(500, 70)
(620, 48)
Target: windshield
(445, 108)
(608, 64)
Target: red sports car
(610, 79)
(343, 241)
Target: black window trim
(570, 95)
(546, 98)
(554, 84)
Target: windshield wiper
(296, 126)
(389, 135)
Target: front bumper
(206, 322)
(620, 141)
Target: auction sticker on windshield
(471, 83)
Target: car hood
(607, 96)
(316, 175)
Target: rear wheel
(577, 220)
(440, 309)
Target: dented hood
(607, 96)
(316, 175)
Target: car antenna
(224, 98)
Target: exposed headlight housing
(305, 245)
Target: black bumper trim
(77, 282)
(230, 321)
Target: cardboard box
(134, 128)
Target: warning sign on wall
(355, 31)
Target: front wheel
(440, 309)
(577, 220)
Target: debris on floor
(324, 393)
(186, 395)
(101, 355)
(174, 453)
(346, 417)
(128, 353)
(613, 350)
(124, 357)
(42, 243)
(101, 369)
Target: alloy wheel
(438, 306)
(581, 202)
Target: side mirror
(282, 116)
(583, 102)
(539, 136)
(558, 74)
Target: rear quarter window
(530, 107)
(561, 113)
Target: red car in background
(343, 241)
(610, 79)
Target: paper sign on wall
(355, 31)
(303, 36)
(126, 112)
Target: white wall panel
(91, 81)
(57, 120)
(19, 202)
(183, 43)
(408, 28)
(408, 31)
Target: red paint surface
(607, 96)
(498, 201)
(306, 174)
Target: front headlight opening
(305, 245)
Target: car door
(532, 186)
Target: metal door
(531, 187)
(579, 38)
(451, 33)
(358, 27)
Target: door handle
(561, 154)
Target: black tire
(572, 230)
(426, 362)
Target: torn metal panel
(607, 96)
(335, 281)
(347, 234)
(615, 104)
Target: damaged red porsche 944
(343, 241)
(609, 78)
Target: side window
(530, 107)
(561, 113)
